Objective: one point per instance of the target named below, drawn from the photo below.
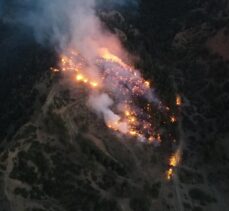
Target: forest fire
(121, 85)
(115, 88)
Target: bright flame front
(123, 84)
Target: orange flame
(107, 55)
(173, 163)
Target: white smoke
(101, 104)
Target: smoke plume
(101, 105)
(95, 57)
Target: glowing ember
(147, 83)
(173, 119)
(79, 77)
(54, 69)
(178, 100)
(169, 174)
(94, 84)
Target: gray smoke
(59, 21)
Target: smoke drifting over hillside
(95, 57)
